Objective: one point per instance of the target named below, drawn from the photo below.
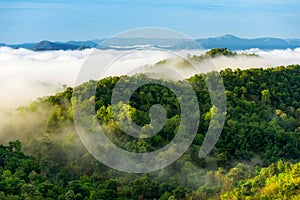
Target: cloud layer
(26, 75)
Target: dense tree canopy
(262, 129)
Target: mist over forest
(26, 75)
(256, 156)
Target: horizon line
(107, 38)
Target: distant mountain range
(228, 41)
(49, 46)
(235, 43)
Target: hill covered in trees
(261, 130)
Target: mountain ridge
(229, 41)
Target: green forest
(256, 156)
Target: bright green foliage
(278, 181)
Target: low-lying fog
(26, 75)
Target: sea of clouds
(26, 75)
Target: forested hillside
(262, 129)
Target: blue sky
(35, 20)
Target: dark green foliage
(216, 52)
(212, 53)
